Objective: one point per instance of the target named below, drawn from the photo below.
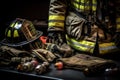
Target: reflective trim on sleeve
(82, 45)
(84, 5)
(88, 46)
(118, 23)
(94, 5)
(81, 6)
(107, 47)
(56, 17)
(56, 24)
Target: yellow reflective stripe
(87, 43)
(81, 1)
(16, 24)
(85, 5)
(9, 33)
(82, 7)
(94, 5)
(94, 8)
(75, 5)
(81, 48)
(15, 33)
(118, 23)
(57, 24)
(81, 45)
(107, 47)
(118, 19)
(12, 25)
(78, 6)
(56, 17)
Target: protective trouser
(86, 63)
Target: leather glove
(60, 51)
(56, 37)
(44, 55)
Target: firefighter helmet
(20, 32)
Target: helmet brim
(4, 41)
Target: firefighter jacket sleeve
(57, 11)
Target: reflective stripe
(118, 23)
(94, 5)
(87, 46)
(87, 5)
(56, 24)
(9, 33)
(107, 47)
(81, 6)
(12, 25)
(84, 5)
(56, 17)
(16, 24)
(15, 34)
(82, 45)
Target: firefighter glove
(56, 37)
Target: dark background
(31, 10)
(35, 10)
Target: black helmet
(20, 32)
(13, 33)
